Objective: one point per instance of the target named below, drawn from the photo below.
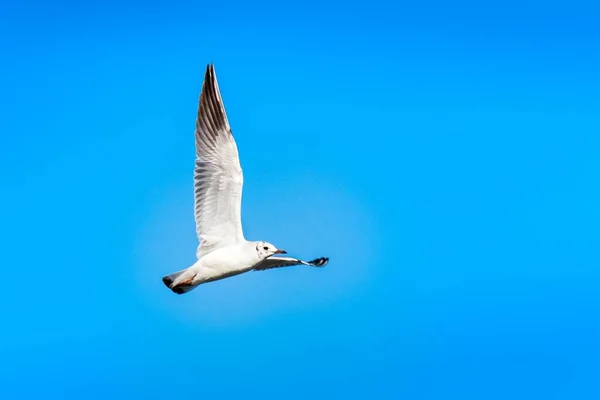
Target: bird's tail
(179, 286)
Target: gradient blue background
(444, 155)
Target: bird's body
(218, 264)
(218, 180)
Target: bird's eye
(266, 248)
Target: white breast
(226, 261)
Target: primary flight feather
(218, 179)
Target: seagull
(223, 251)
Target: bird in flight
(223, 251)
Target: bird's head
(266, 249)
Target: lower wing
(278, 262)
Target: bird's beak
(279, 251)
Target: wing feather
(218, 177)
(279, 262)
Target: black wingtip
(319, 262)
(209, 72)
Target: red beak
(279, 251)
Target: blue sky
(445, 156)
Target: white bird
(223, 251)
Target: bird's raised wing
(278, 262)
(218, 175)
